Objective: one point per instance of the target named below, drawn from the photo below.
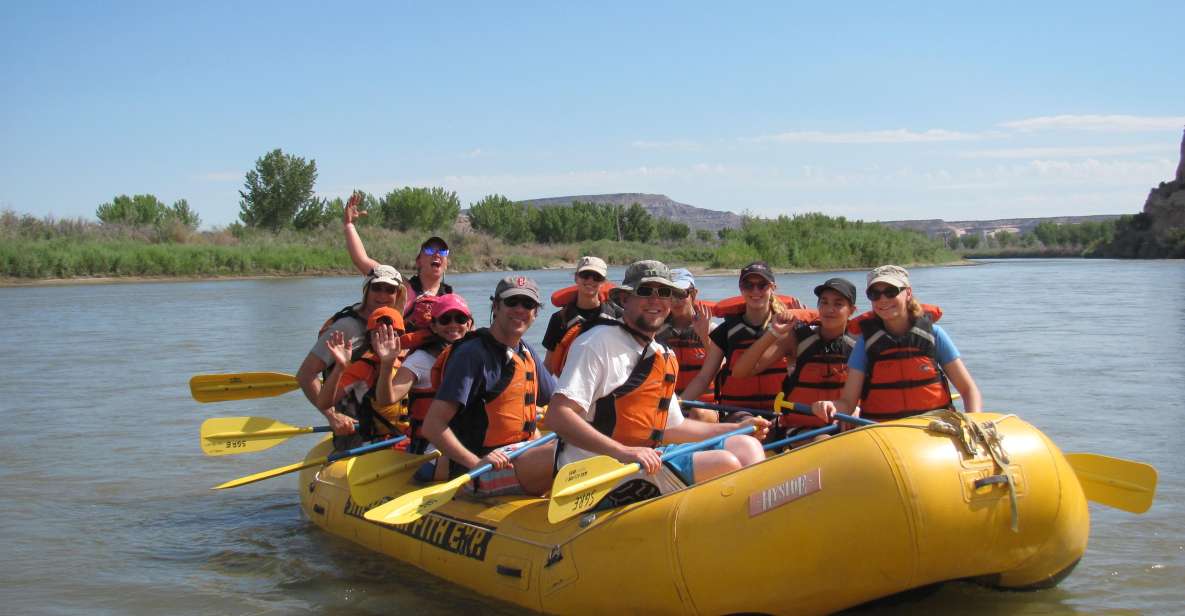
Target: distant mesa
(659, 206)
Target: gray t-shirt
(354, 331)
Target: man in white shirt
(616, 394)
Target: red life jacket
(690, 352)
(505, 412)
(635, 413)
(820, 371)
(757, 391)
(357, 384)
(904, 377)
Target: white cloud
(900, 135)
(474, 153)
(1104, 123)
(1066, 152)
(221, 176)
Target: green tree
(427, 209)
(637, 225)
(182, 213)
(139, 210)
(314, 214)
(277, 188)
(970, 240)
(704, 236)
(503, 218)
(670, 230)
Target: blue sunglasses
(430, 251)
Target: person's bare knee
(534, 468)
(746, 449)
(709, 464)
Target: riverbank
(54, 252)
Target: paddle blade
(275, 472)
(368, 475)
(415, 505)
(582, 484)
(224, 436)
(241, 386)
(1115, 482)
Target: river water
(108, 507)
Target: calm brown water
(108, 508)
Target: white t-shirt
(599, 362)
(420, 363)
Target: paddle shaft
(273, 433)
(485, 468)
(299, 466)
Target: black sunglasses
(383, 287)
(663, 292)
(889, 292)
(449, 318)
(587, 274)
(519, 300)
(760, 285)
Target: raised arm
(353, 241)
(777, 341)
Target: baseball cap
(890, 274)
(384, 273)
(592, 264)
(839, 285)
(682, 278)
(449, 302)
(759, 268)
(439, 241)
(385, 313)
(517, 285)
(642, 272)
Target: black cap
(759, 268)
(839, 285)
(434, 240)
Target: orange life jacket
(559, 355)
(635, 414)
(928, 310)
(757, 391)
(820, 371)
(505, 412)
(736, 305)
(357, 385)
(903, 377)
(690, 352)
(567, 295)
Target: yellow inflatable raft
(869, 513)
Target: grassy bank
(45, 248)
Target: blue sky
(881, 111)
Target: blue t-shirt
(944, 349)
(473, 366)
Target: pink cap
(448, 303)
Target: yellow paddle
(365, 474)
(414, 505)
(223, 436)
(292, 468)
(582, 484)
(1115, 482)
(240, 386)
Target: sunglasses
(589, 274)
(662, 292)
(760, 285)
(449, 318)
(518, 300)
(889, 292)
(431, 252)
(382, 287)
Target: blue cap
(682, 278)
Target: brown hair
(914, 308)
